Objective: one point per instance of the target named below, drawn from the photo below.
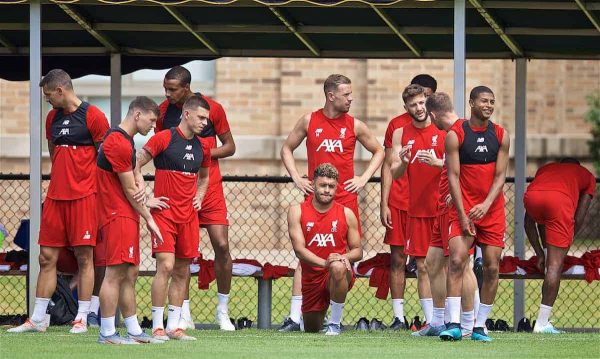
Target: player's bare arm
(386, 185)
(290, 144)
(582, 207)
(51, 147)
(202, 187)
(298, 242)
(127, 180)
(142, 157)
(480, 210)
(400, 155)
(355, 252)
(227, 148)
(368, 140)
(453, 165)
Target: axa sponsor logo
(64, 132)
(331, 145)
(188, 157)
(322, 240)
(481, 148)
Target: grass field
(576, 307)
(253, 343)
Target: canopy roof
(80, 34)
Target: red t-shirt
(398, 197)
(73, 173)
(324, 233)
(178, 185)
(476, 179)
(218, 121)
(118, 151)
(570, 179)
(423, 179)
(332, 140)
(444, 188)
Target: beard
(323, 200)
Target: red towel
(591, 263)
(207, 273)
(380, 277)
(508, 264)
(273, 272)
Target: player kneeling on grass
(181, 161)
(119, 215)
(326, 241)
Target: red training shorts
(315, 295)
(555, 211)
(69, 223)
(397, 235)
(214, 208)
(118, 243)
(182, 239)
(439, 233)
(419, 231)
(490, 230)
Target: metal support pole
(459, 57)
(115, 89)
(520, 174)
(265, 295)
(35, 148)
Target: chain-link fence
(257, 208)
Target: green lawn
(576, 307)
(253, 343)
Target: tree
(593, 116)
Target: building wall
(264, 97)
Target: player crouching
(326, 241)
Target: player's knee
(337, 270)
(490, 269)
(397, 262)
(221, 247)
(422, 265)
(46, 260)
(165, 267)
(85, 260)
(132, 274)
(455, 265)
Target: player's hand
(140, 194)
(355, 184)
(197, 203)
(405, 154)
(159, 203)
(428, 158)
(304, 185)
(541, 263)
(153, 228)
(478, 211)
(467, 227)
(385, 216)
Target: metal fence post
(265, 295)
(520, 177)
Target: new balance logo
(87, 235)
(480, 139)
(343, 133)
(64, 131)
(331, 145)
(318, 132)
(334, 226)
(322, 239)
(188, 147)
(481, 148)
(65, 122)
(410, 143)
(188, 157)
(309, 226)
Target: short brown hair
(144, 104)
(180, 74)
(194, 102)
(326, 170)
(411, 91)
(56, 78)
(439, 103)
(334, 81)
